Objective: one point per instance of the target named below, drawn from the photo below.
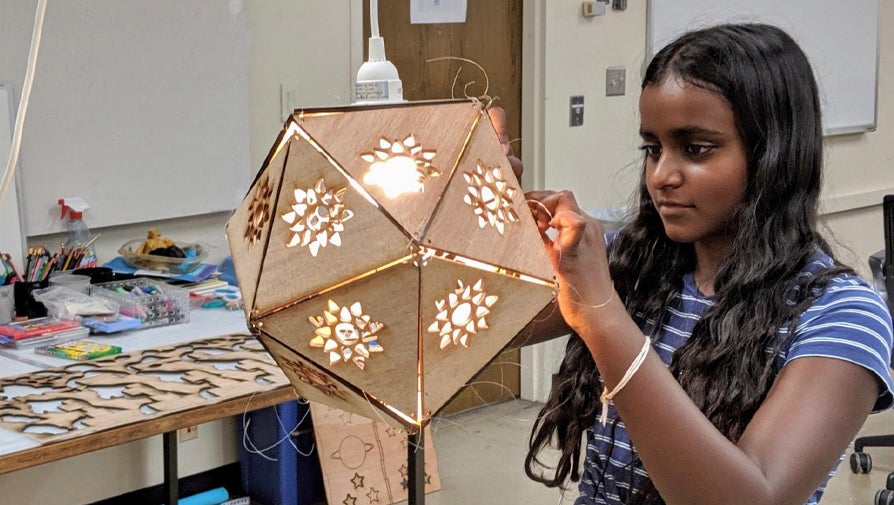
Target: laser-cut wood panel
(129, 388)
(365, 461)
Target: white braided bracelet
(608, 395)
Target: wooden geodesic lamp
(386, 254)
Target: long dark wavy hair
(724, 366)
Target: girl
(762, 354)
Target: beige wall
(314, 48)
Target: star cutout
(357, 480)
(404, 471)
(373, 495)
(349, 500)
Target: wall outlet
(188, 433)
(577, 110)
(592, 9)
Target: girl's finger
(570, 227)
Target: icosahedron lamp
(386, 254)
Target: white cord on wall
(23, 103)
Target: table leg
(171, 483)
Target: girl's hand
(575, 243)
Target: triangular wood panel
(389, 298)
(447, 369)
(292, 273)
(484, 183)
(249, 226)
(314, 383)
(441, 128)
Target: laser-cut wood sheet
(85, 397)
(364, 462)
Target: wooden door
(491, 37)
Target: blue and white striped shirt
(848, 321)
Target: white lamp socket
(377, 79)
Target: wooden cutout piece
(83, 410)
(350, 446)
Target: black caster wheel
(861, 463)
(889, 483)
(884, 497)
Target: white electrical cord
(373, 18)
(377, 79)
(23, 103)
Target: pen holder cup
(7, 303)
(25, 304)
(78, 283)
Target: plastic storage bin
(154, 303)
(293, 479)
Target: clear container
(154, 303)
(165, 264)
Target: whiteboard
(839, 38)
(12, 238)
(139, 106)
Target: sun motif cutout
(317, 217)
(347, 334)
(314, 378)
(490, 197)
(258, 211)
(462, 314)
(399, 167)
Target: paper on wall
(437, 11)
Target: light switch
(615, 81)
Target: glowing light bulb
(396, 176)
(399, 167)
